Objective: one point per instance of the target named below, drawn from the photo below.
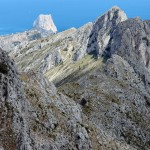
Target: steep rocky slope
(116, 96)
(102, 99)
(34, 115)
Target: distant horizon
(18, 16)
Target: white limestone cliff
(45, 22)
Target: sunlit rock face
(45, 22)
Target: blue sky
(18, 15)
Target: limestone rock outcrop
(45, 23)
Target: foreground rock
(34, 116)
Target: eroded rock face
(45, 22)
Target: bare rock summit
(45, 23)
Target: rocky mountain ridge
(102, 96)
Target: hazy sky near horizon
(18, 15)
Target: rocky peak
(45, 23)
(94, 37)
(111, 18)
(102, 30)
(118, 12)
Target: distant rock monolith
(45, 23)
